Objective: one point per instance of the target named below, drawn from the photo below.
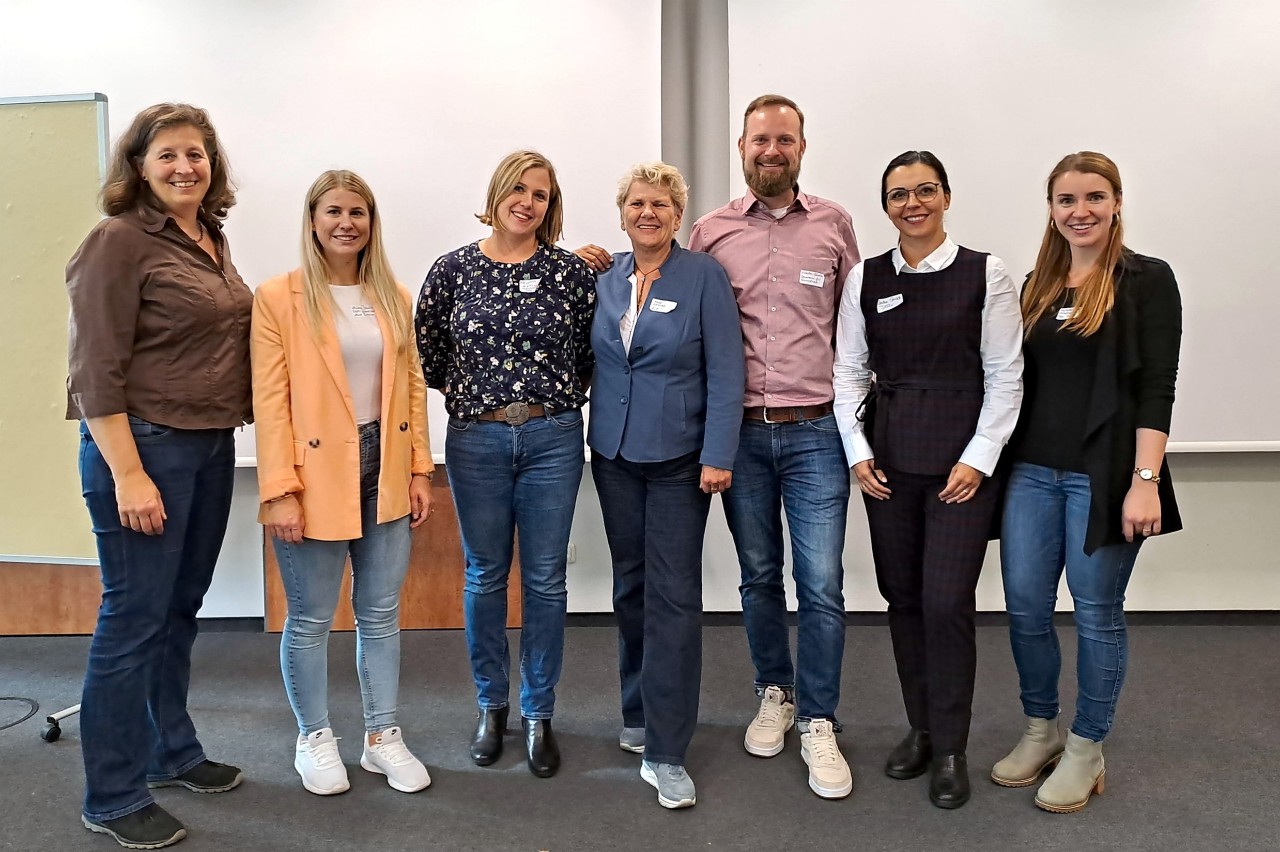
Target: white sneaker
(390, 757)
(828, 772)
(767, 733)
(317, 760)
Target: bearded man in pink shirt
(787, 254)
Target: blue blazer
(681, 387)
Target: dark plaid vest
(927, 358)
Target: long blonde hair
(376, 280)
(1097, 294)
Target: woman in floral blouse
(504, 331)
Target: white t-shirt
(360, 337)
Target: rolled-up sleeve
(105, 292)
(1159, 341)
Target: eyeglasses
(924, 193)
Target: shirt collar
(749, 202)
(939, 259)
(153, 219)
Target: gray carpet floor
(1192, 764)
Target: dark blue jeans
(1046, 514)
(655, 517)
(134, 725)
(507, 480)
(799, 468)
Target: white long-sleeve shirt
(1001, 350)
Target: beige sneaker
(829, 775)
(766, 735)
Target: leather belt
(514, 414)
(787, 414)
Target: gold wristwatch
(1147, 474)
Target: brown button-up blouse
(158, 330)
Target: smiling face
(176, 169)
(772, 146)
(342, 223)
(522, 211)
(649, 216)
(1083, 206)
(917, 220)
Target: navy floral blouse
(492, 333)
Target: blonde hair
(374, 273)
(1097, 294)
(504, 180)
(659, 174)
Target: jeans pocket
(457, 424)
(826, 423)
(570, 419)
(144, 429)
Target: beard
(770, 185)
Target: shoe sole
(631, 748)
(403, 788)
(132, 844)
(672, 804)
(901, 775)
(1074, 807)
(195, 788)
(1026, 782)
(320, 791)
(768, 751)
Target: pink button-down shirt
(787, 274)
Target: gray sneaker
(632, 740)
(675, 787)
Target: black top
(924, 342)
(493, 333)
(1062, 364)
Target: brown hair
(1097, 294)
(504, 180)
(124, 187)
(772, 100)
(374, 273)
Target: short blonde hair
(657, 174)
(504, 180)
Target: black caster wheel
(51, 732)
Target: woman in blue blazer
(666, 406)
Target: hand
(1140, 514)
(962, 484)
(284, 519)
(420, 507)
(597, 258)
(715, 479)
(872, 480)
(138, 501)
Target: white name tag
(888, 303)
(1066, 314)
(811, 279)
(661, 306)
(530, 285)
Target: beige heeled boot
(1040, 747)
(1078, 776)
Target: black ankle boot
(486, 745)
(911, 758)
(949, 784)
(540, 744)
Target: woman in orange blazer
(343, 468)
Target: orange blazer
(308, 444)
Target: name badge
(811, 279)
(1066, 313)
(661, 306)
(888, 303)
(530, 285)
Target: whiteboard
(1182, 94)
(422, 99)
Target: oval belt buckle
(516, 413)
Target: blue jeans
(507, 480)
(655, 517)
(311, 571)
(1046, 514)
(134, 725)
(799, 468)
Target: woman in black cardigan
(1089, 481)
